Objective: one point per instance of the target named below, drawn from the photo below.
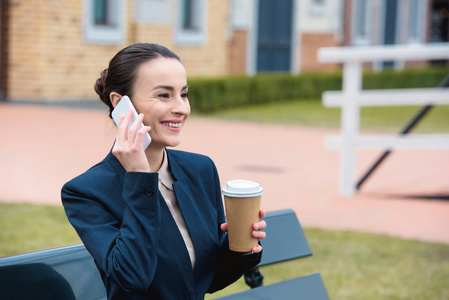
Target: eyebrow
(168, 87)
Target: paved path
(42, 147)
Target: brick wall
(49, 60)
(311, 42)
(237, 52)
(24, 55)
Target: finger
(260, 235)
(123, 128)
(142, 131)
(137, 125)
(257, 249)
(120, 125)
(260, 225)
(261, 214)
(224, 227)
(132, 131)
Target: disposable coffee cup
(242, 203)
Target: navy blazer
(126, 226)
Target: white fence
(352, 97)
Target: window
(191, 25)
(317, 7)
(239, 14)
(104, 21)
(415, 22)
(361, 22)
(187, 15)
(100, 12)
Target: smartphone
(122, 109)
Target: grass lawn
(26, 228)
(367, 266)
(353, 265)
(312, 113)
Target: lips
(170, 124)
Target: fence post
(350, 116)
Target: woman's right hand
(128, 147)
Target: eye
(164, 95)
(185, 95)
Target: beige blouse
(166, 180)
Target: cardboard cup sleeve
(242, 203)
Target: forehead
(162, 71)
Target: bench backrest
(285, 238)
(60, 273)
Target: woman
(154, 235)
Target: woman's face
(160, 93)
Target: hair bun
(100, 84)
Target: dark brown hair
(120, 75)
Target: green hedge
(212, 94)
(410, 78)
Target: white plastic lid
(242, 188)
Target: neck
(155, 156)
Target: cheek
(149, 119)
(151, 115)
(188, 108)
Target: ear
(115, 98)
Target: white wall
(242, 14)
(321, 18)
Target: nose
(181, 106)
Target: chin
(172, 143)
(165, 141)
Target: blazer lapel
(173, 241)
(193, 216)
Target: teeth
(174, 125)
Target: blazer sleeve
(124, 248)
(230, 265)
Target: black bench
(70, 272)
(61, 273)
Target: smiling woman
(153, 217)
